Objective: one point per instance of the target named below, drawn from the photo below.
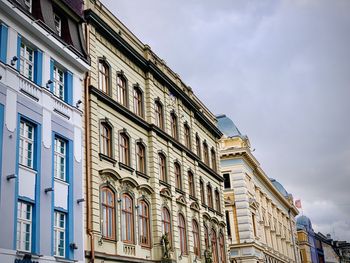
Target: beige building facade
(151, 155)
(260, 214)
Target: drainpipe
(293, 240)
(88, 153)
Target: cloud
(281, 71)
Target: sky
(281, 71)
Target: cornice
(151, 127)
(149, 66)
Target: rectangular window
(26, 144)
(27, 61)
(24, 226)
(58, 24)
(60, 149)
(58, 82)
(28, 5)
(227, 182)
(60, 234)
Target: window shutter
(68, 80)
(3, 42)
(38, 67)
(19, 41)
(52, 63)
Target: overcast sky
(281, 71)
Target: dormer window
(58, 24)
(28, 5)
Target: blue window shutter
(68, 80)
(52, 63)
(38, 67)
(19, 41)
(3, 42)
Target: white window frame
(60, 158)
(58, 82)
(58, 23)
(27, 61)
(26, 144)
(28, 4)
(24, 226)
(59, 229)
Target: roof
(279, 187)
(227, 127)
(303, 222)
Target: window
(217, 201)
(195, 231)
(182, 234)
(227, 182)
(198, 146)
(210, 196)
(187, 136)
(24, 226)
(59, 230)
(108, 213)
(127, 222)
(58, 82)
(178, 181)
(214, 247)
(28, 5)
(166, 222)
(201, 186)
(106, 141)
(58, 24)
(213, 160)
(173, 125)
(124, 149)
(162, 168)
(141, 160)
(159, 115)
(60, 149)
(103, 76)
(254, 226)
(27, 61)
(206, 237)
(26, 144)
(144, 229)
(222, 248)
(206, 153)
(191, 183)
(138, 103)
(121, 90)
(228, 224)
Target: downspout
(293, 240)
(88, 152)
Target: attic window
(28, 5)
(58, 24)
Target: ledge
(126, 167)
(143, 175)
(193, 198)
(180, 191)
(107, 158)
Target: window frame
(191, 184)
(174, 126)
(217, 201)
(21, 221)
(159, 114)
(222, 252)
(166, 224)
(205, 153)
(110, 211)
(125, 212)
(163, 175)
(214, 246)
(140, 158)
(124, 150)
(202, 191)
(144, 220)
(210, 196)
(138, 101)
(187, 135)
(198, 147)
(29, 5)
(24, 61)
(182, 234)
(106, 141)
(60, 155)
(58, 26)
(23, 140)
(227, 181)
(213, 160)
(196, 238)
(178, 176)
(59, 86)
(58, 230)
(122, 89)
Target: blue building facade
(42, 65)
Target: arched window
(162, 167)
(191, 183)
(222, 248)
(209, 196)
(182, 234)
(178, 179)
(217, 201)
(206, 237)
(124, 152)
(198, 146)
(214, 247)
(108, 213)
(144, 224)
(195, 231)
(138, 102)
(187, 136)
(206, 153)
(122, 90)
(213, 160)
(127, 222)
(103, 76)
(141, 157)
(201, 185)
(173, 125)
(166, 222)
(159, 115)
(106, 139)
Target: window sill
(219, 214)
(211, 209)
(193, 198)
(180, 191)
(107, 158)
(143, 175)
(61, 181)
(126, 167)
(30, 169)
(148, 247)
(62, 259)
(164, 183)
(204, 205)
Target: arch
(146, 188)
(166, 192)
(110, 172)
(215, 221)
(130, 181)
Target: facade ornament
(208, 256)
(166, 245)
